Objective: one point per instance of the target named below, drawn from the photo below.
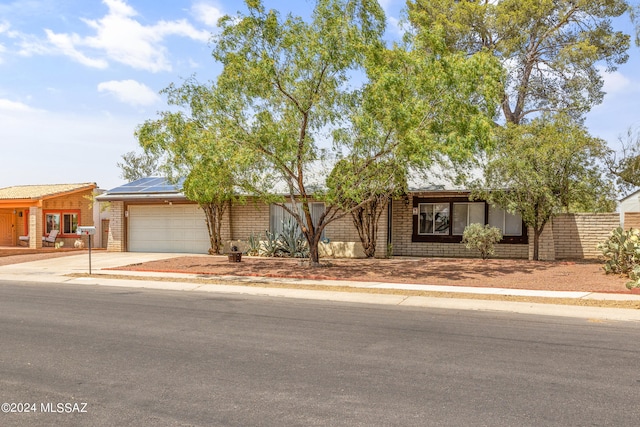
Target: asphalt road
(95, 356)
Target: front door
(6, 229)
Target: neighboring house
(629, 208)
(36, 210)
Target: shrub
(482, 238)
(291, 242)
(621, 253)
(270, 245)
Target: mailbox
(87, 230)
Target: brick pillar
(35, 227)
(116, 228)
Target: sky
(78, 76)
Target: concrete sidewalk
(60, 270)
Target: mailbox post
(87, 231)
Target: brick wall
(402, 230)
(344, 231)
(247, 218)
(631, 220)
(569, 236)
(253, 217)
(575, 236)
(35, 223)
(73, 202)
(546, 244)
(116, 228)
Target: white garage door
(167, 228)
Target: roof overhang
(119, 197)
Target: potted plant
(235, 255)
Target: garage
(173, 227)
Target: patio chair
(51, 238)
(23, 240)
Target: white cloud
(614, 82)
(130, 92)
(207, 13)
(118, 37)
(66, 43)
(394, 26)
(7, 105)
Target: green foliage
(269, 247)
(481, 238)
(291, 242)
(253, 245)
(621, 253)
(551, 48)
(625, 164)
(135, 166)
(189, 144)
(364, 191)
(545, 167)
(288, 85)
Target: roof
(634, 194)
(39, 192)
(145, 189)
(159, 188)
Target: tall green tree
(549, 48)
(351, 182)
(139, 165)
(624, 163)
(190, 144)
(288, 88)
(548, 166)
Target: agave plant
(292, 242)
(269, 247)
(253, 245)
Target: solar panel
(148, 185)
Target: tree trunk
(213, 215)
(365, 219)
(314, 253)
(536, 241)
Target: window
(465, 214)
(443, 220)
(69, 223)
(433, 218)
(278, 216)
(52, 222)
(66, 222)
(509, 224)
